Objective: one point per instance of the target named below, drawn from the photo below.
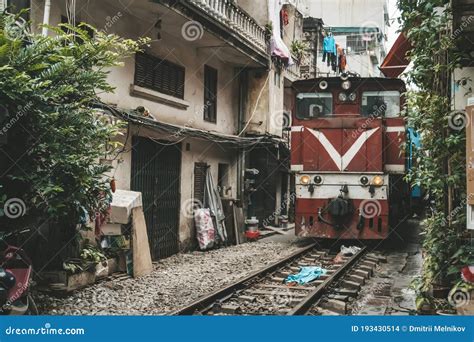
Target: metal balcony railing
(229, 14)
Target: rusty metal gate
(156, 171)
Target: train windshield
(381, 103)
(313, 105)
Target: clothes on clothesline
(334, 55)
(329, 44)
(331, 60)
(284, 17)
(342, 63)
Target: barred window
(356, 43)
(159, 74)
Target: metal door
(156, 171)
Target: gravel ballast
(174, 282)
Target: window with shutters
(210, 94)
(159, 74)
(16, 6)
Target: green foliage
(268, 30)
(89, 257)
(440, 169)
(298, 48)
(52, 153)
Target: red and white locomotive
(347, 157)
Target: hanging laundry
(330, 51)
(306, 275)
(277, 46)
(342, 61)
(334, 63)
(329, 44)
(284, 17)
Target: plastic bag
(348, 251)
(205, 231)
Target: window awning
(396, 61)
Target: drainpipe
(243, 93)
(47, 11)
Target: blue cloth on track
(306, 274)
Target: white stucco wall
(178, 51)
(200, 151)
(193, 58)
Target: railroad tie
(356, 279)
(249, 299)
(368, 269)
(335, 305)
(228, 309)
(347, 292)
(343, 298)
(362, 273)
(324, 312)
(351, 285)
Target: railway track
(265, 293)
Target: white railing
(294, 72)
(234, 17)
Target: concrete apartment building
(359, 27)
(207, 93)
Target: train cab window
(381, 103)
(313, 105)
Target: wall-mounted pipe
(46, 15)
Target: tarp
(212, 200)
(396, 61)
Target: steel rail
(206, 302)
(307, 302)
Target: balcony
(229, 14)
(229, 22)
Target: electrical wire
(174, 131)
(256, 104)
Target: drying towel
(306, 274)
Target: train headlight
(342, 97)
(377, 181)
(352, 97)
(346, 85)
(318, 179)
(305, 180)
(323, 85)
(364, 180)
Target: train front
(347, 158)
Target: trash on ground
(348, 251)
(306, 275)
